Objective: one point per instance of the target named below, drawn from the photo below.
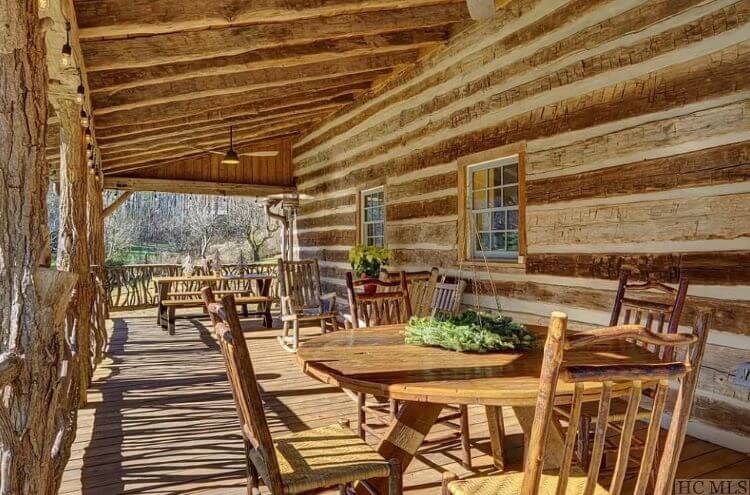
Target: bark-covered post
(73, 243)
(95, 217)
(36, 427)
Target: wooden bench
(184, 293)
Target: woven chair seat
(510, 484)
(327, 456)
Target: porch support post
(95, 223)
(73, 243)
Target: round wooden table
(377, 361)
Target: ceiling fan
(231, 157)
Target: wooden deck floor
(160, 418)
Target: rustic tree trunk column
(96, 257)
(36, 428)
(73, 244)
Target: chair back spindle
(300, 281)
(614, 380)
(388, 305)
(245, 389)
(446, 299)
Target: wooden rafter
(120, 18)
(143, 51)
(193, 187)
(112, 207)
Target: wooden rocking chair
(302, 301)
(613, 380)
(305, 461)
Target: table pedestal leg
(553, 451)
(497, 435)
(403, 437)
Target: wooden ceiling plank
(188, 147)
(122, 18)
(143, 51)
(168, 111)
(331, 95)
(210, 86)
(315, 52)
(218, 141)
(219, 125)
(260, 142)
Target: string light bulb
(80, 92)
(87, 135)
(84, 118)
(90, 150)
(67, 50)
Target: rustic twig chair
(304, 461)
(388, 305)
(421, 286)
(614, 379)
(659, 316)
(302, 301)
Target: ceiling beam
(335, 94)
(201, 141)
(218, 85)
(187, 131)
(122, 18)
(179, 150)
(168, 111)
(193, 187)
(316, 52)
(142, 51)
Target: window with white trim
(373, 217)
(493, 209)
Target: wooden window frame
(464, 163)
(361, 236)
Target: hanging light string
(67, 49)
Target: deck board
(161, 420)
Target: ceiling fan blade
(260, 153)
(220, 153)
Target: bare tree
(206, 226)
(120, 233)
(257, 228)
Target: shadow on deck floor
(161, 420)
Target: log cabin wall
(635, 120)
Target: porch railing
(131, 286)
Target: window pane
(510, 196)
(496, 198)
(370, 230)
(479, 179)
(482, 242)
(498, 220)
(482, 222)
(480, 200)
(377, 241)
(510, 174)
(373, 199)
(512, 241)
(498, 241)
(374, 214)
(378, 229)
(513, 219)
(496, 178)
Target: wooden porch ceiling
(168, 77)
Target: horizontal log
(328, 238)
(332, 220)
(690, 218)
(142, 51)
(314, 206)
(707, 268)
(323, 255)
(723, 164)
(419, 209)
(160, 113)
(223, 84)
(287, 56)
(730, 315)
(440, 233)
(422, 186)
(193, 187)
(120, 18)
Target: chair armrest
(286, 305)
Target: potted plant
(366, 262)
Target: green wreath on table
(470, 332)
